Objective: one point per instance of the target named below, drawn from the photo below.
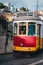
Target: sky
(30, 4)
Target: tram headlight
(21, 44)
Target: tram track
(11, 58)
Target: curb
(6, 53)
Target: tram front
(24, 38)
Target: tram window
(38, 29)
(15, 28)
(31, 29)
(22, 28)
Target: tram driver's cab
(25, 28)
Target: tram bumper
(28, 49)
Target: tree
(6, 9)
(23, 9)
(2, 6)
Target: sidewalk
(2, 45)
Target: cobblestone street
(2, 45)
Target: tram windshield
(22, 28)
(31, 29)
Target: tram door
(39, 35)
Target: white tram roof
(27, 19)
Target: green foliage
(5, 8)
(23, 8)
(2, 6)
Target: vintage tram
(27, 34)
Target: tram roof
(27, 19)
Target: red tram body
(24, 43)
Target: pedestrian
(6, 43)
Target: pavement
(2, 45)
